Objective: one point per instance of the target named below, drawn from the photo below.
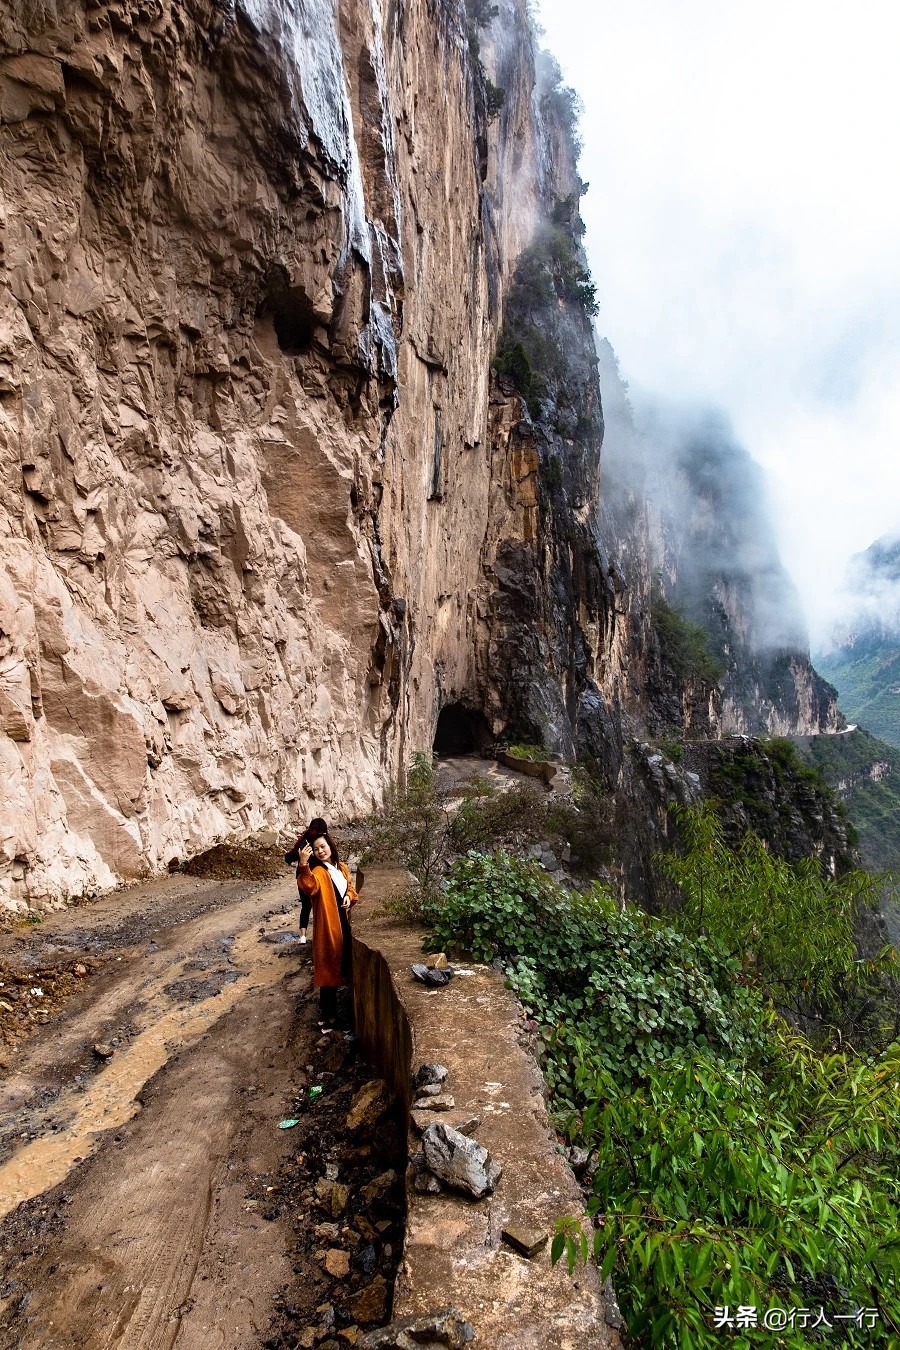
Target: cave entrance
(291, 311)
(460, 731)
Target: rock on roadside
(459, 1161)
(443, 1330)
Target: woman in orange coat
(328, 885)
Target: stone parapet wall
(454, 1253)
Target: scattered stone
(422, 1119)
(467, 1126)
(349, 1334)
(332, 1171)
(527, 1241)
(446, 1329)
(436, 961)
(327, 1232)
(79, 970)
(424, 1180)
(370, 1304)
(337, 1262)
(369, 1105)
(366, 1259)
(431, 1089)
(307, 1338)
(434, 978)
(103, 1051)
(330, 1344)
(428, 1075)
(340, 1196)
(333, 1196)
(578, 1157)
(443, 1102)
(460, 1161)
(366, 1229)
(378, 1187)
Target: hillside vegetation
(867, 678)
(865, 773)
(729, 1069)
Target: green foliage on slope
(791, 925)
(867, 678)
(865, 771)
(684, 645)
(737, 1161)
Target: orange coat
(328, 935)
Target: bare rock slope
(265, 509)
(245, 305)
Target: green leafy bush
(717, 1185)
(735, 1163)
(618, 979)
(495, 97)
(488, 816)
(789, 924)
(413, 828)
(684, 645)
(532, 752)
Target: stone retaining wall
(454, 1253)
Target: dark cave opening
(292, 315)
(291, 311)
(461, 731)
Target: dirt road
(147, 1196)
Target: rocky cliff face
(260, 515)
(300, 428)
(714, 559)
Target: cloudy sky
(743, 228)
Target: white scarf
(340, 881)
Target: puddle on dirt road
(110, 1099)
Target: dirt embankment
(150, 1198)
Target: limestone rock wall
(241, 291)
(257, 498)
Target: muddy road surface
(148, 1197)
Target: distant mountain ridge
(862, 658)
(714, 554)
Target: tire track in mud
(112, 1097)
(139, 1175)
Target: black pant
(328, 1001)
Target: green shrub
(413, 828)
(624, 982)
(530, 752)
(489, 817)
(684, 645)
(789, 924)
(495, 97)
(717, 1185)
(735, 1163)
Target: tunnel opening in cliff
(461, 731)
(291, 312)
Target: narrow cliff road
(140, 1155)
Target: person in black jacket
(314, 830)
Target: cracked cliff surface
(263, 514)
(219, 221)
(265, 507)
